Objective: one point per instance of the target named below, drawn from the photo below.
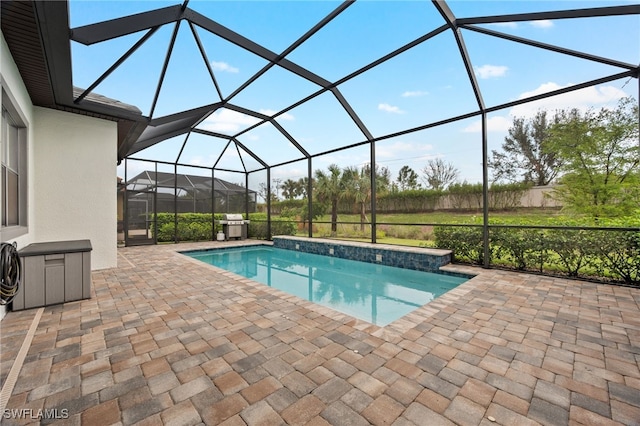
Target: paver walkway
(167, 340)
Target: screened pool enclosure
(151, 193)
(277, 91)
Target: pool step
(417, 258)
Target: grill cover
(232, 217)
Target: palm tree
(290, 189)
(303, 186)
(330, 188)
(358, 187)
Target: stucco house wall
(71, 175)
(74, 181)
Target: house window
(13, 174)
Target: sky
(423, 85)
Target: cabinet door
(73, 276)
(33, 281)
(86, 275)
(54, 278)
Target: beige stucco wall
(71, 175)
(75, 181)
(540, 196)
(537, 196)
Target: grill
(234, 226)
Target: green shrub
(574, 248)
(465, 242)
(506, 196)
(465, 195)
(522, 248)
(619, 254)
(589, 253)
(191, 226)
(407, 232)
(279, 226)
(279, 207)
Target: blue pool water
(375, 293)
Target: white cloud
(491, 71)
(414, 94)
(271, 112)
(227, 121)
(199, 160)
(286, 173)
(583, 99)
(223, 66)
(506, 24)
(267, 111)
(494, 124)
(543, 23)
(390, 108)
(402, 149)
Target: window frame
(19, 130)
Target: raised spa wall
(417, 258)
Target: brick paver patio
(168, 340)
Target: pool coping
(417, 259)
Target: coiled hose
(10, 273)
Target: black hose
(10, 273)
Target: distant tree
(438, 174)
(356, 187)
(383, 178)
(275, 186)
(291, 189)
(407, 179)
(525, 157)
(262, 192)
(330, 188)
(303, 185)
(601, 159)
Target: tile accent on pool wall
(419, 259)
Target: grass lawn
(420, 234)
(391, 230)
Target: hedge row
(603, 254)
(279, 226)
(191, 226)
(197, 226)
(460, 196)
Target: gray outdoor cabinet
(54, 272)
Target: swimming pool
(375, 293)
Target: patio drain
(9, 384)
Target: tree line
(592, 156)
(437, 175)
